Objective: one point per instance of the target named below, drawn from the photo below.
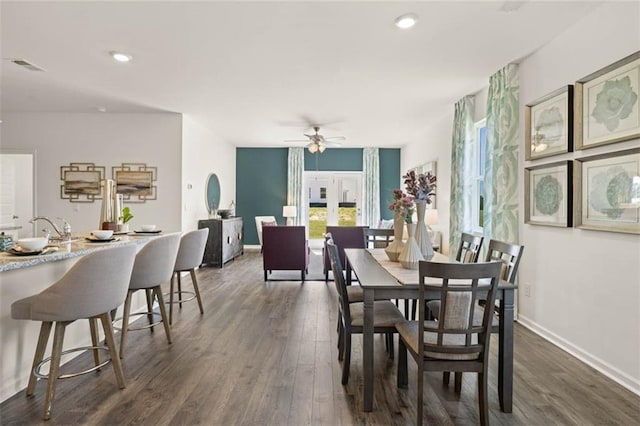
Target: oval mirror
(212, 193)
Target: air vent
(26, 64)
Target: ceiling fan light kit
(318, 143)
(406, 21)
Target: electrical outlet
(527, 290)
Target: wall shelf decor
(135, 180)
(607, 104)
(548, 194)
(607, 189)
(549, 125)
(81, 182)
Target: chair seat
(386, 314)
(478, 313)
(355, 293)
(408, 330)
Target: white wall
(106, 140)
(585, 285)
(204, 153)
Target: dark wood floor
(266, 354)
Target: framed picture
(549, 125)
(548, 194)
(135, 180)
(81, 182)
(607, 188)
(606, 104)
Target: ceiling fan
(318, 143)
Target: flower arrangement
(402, 204)
(422, 187)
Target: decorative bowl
(148, 228)
(102, 234)
(33, 244)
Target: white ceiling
(255, 72)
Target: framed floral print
(607, 188)
(548, 194)
(607, 104)
(549, 125)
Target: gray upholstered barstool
(190, 254)
(95, 285)
(152, 268)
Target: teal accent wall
(390, 177)
(261, 179)
(261, 186)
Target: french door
(332, 199)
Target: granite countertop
(79, 247)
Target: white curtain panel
(461, 214)
(295, 184)
(371, 198)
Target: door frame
(34, 201)
(328, 175)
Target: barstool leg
(125, 321)
(113, 350)
(179, 291)
(54, 369)
(94, 340)
(197, 290)
(43, 338)
(149, 307)
(165, 321)
(173, 276)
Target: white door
(16, 193)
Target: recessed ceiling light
(407, 20)
(121, 57)
(102, 109)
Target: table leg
(505, 352)
(367, 350)
(348, 272)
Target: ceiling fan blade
(335, 138)
(331, 144)
(296, 140)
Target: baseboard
(623, 379)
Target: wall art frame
(81, 182)
(607, 188)
(549, 194)
(135, 180)
(549, 124)
(607, 104)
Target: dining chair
(469, 249)
(386, 314)
(94, 286)
(377, 238)
(153, 267)
(344, 237)
(509, 255)
(455, 342)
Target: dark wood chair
(343, 237)
(351, 321)
(455, 343)
(469, 249)
(377, 238)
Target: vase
(422, 235)
(410, 255)
(393, 250)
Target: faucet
(65, 234)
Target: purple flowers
(402, 204)
(422, 187)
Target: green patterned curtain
(371, 174)
(295, 182)
(501, 165)
(461, 171)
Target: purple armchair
(343, 237)
(285, 248)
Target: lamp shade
(289, 211)
(431, 216)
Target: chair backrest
(96, 284)
(259, 220)
(284, 247)
(345, 237)
(191, 251)
(509, 255)
(377, 237)
(469, 250)
(155, 262)
(454, 335)
(338, 279)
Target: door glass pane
(348, 201)
(317, 207)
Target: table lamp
(431, 218)
(289, 212)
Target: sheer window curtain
(371, 184)
(501, 165)
(295, 184)
(460, 219)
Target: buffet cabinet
(225, 242)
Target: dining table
(381, 278)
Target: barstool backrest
(191, 250)
(154, 263)
(96, 284)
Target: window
(323, 193)
(479, 156)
